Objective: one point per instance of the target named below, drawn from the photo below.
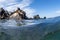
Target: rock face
(3, 14)
(18, 14)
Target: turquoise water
(42, 29)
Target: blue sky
(48, 8)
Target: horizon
(48, 8)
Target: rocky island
(18, 15)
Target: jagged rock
(18, 14)
(3, 14)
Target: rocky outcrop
(18, 14)
(3, 14)
(36, 17)
(44, 17)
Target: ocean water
(42, 29)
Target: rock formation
(44, 17)
(18, 14)
(36, 17)
(3, 14)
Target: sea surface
(41, 29)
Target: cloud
(22, 4)
(30, 11)
(58, 11)
(6, 2)
(11, 5)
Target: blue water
(42, 29)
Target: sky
(48, 8)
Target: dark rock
(44, 17)
(3, 14)
(19, 14)
(36, 17)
